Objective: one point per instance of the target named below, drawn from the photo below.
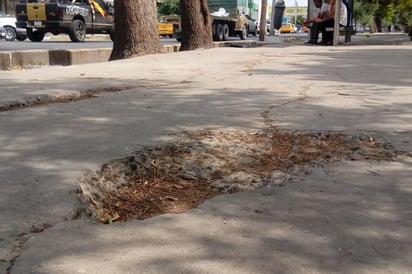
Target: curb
(17, 60)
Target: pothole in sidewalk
(173, 178)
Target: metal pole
(296, 12)
(338, 5)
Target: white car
(8, 23)
(2, 33)
(267, 26)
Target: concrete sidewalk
(346, 217)
(28, 59)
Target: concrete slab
(346, 221)
(349, 217)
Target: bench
(344, 31)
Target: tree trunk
(6, 6)
(136, 29)
(262, 30)
(196, 25)
(378, 23)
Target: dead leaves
(180, 176)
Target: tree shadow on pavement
(349, 217)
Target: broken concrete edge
(42, 99)
(17, 60)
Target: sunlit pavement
(345, 217)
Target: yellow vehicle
(165, 29)
(168, 24)
(287, 28)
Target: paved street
(351, 216)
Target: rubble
(176, 177)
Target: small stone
(327, 156)
(248, 160)
(293, 157)
(217, 174)
(172, 147)
(186, 176)
(277, 177)
(355, 148)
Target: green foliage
(299, 19)
(363, 13)
(169, 7)
(386, 11)
(404, 12)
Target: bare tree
(136, 29)
(196, 25)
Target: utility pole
(337, 20)
(262, 30)
(296, 12)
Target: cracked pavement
(349, 216)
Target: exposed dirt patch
(175, 177)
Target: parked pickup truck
(72, 17)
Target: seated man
(310, 22)
(325, 10)
(320, 25)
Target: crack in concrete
(17, 249)
(265, 114)
(47, 99)
(21, 241)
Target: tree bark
(6, 6)
(135, 29)
(196, 25)
(378, 23)
(262, 30)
